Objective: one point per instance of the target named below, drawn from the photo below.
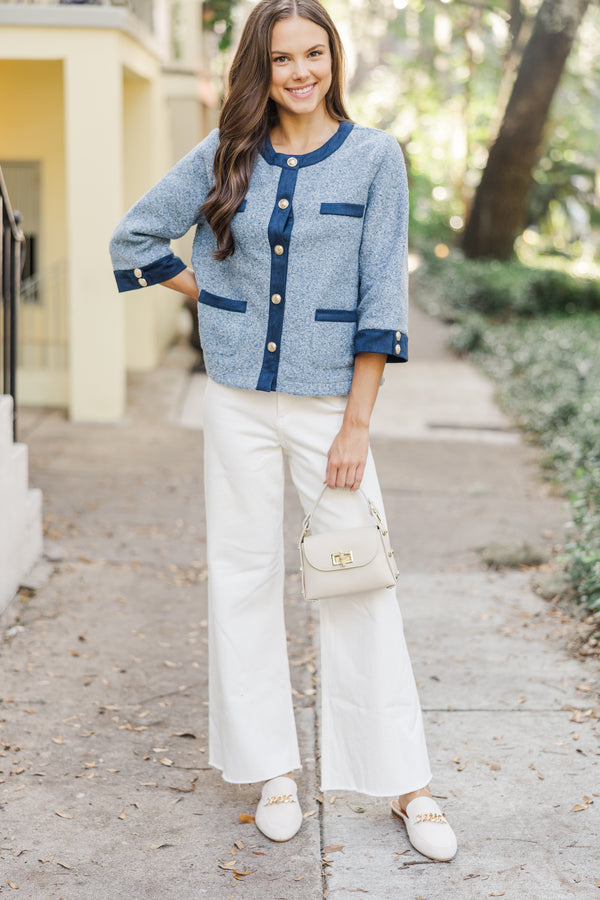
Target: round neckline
(308, 159)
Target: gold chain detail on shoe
(279, 798)
(431, 817)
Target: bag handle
(307, 521)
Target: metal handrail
(11, 260)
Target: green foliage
(501, 290)
(436, 75)
(218, 16)
(547, 371)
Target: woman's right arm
(184, 283)
(141, 243)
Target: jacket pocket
(333, 339)
(222, 302)
(356, 210)
(336, 315)
(221, 325)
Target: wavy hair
(248, 113)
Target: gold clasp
(343, 558)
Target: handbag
(351, 561)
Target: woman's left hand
(347, 457)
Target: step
(6, 423)
(14, 475)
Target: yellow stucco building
(96, 103)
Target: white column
(93, 87)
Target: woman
(299, 266)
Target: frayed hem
(259, 780)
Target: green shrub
(502, 290)
(536, 332)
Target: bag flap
(336, 550)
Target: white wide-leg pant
(372, 730)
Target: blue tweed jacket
(319, 271)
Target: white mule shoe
(278, 814)
(427, 827)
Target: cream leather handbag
(352, 561)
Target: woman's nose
(300, 70)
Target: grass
(536, 333)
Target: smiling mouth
(303, 91)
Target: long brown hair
(248, 113)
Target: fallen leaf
(184, 734)
(19, 852)
(160, 846)
(63, 864)
(333, 848)
(495, 767)
(237, 873)
(14, 886)
(229, 866)
(57, 740)
(498, 894)
(122, 814)
(245, 818)
(64, 815)
(165, 761)
(583, 687)
(239, 845)
(307, 815)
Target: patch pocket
(241, 207)
(220, 324)
(333, 339)
(355, 210)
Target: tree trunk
(500, 206)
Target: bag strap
(307, 521)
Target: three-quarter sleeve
(140, 245)
(383, 263)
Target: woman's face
(300, 66)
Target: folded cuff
(153, 273)
(378, 340)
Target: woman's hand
(347, 457)
(184, 283)
(348, 453)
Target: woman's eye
(315, 53)
(280, 59)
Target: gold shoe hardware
(279, 798)
(431, 817)
(343, 558)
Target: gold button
(283, 203)
(137, 273)
(398, 335)
(292, 161)
(279, 250)
(276, 298)
(142, 282)
(398, 348)
(271, 347)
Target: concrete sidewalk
(105, 791)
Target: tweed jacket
(319, 271)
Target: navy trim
(308, 159)
(378, 340)
(343, 209)
(222, 302)
(280, 232)
(336, 315)
(153, 273)
(242, 206)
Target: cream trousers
(372, 736)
